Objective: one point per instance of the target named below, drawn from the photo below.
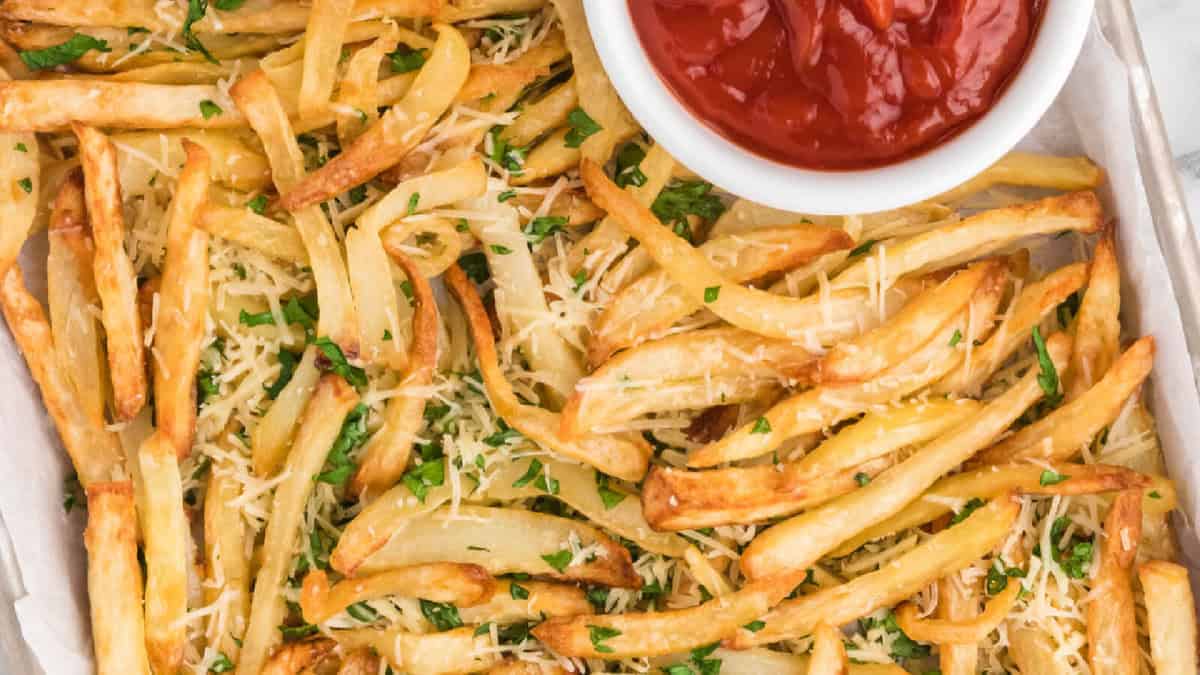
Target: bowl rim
(1059, 40)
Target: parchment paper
(1092, 117)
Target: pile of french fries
(383, 340)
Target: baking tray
(1178, 240)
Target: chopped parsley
(559, 560)
(956, 338)
(420, 478)
(61, 54)
(336, 363)
(209, 109)
(997, 579)
(361, 611)
(862, 479)
(20, 147)
(406, 59)
(598, 634)
(196, 11)
(353, 434)
(1049, 477)
(579, 278)
(628, 170)
(506, 195)
(443, 616)
(681, 199)
(499, 249)
(608, 496)
(294, 633)
(761, 426)
(475, 266)
(863, 248)
(581, 127)
(712, 293)
(26, 185)
(535, 475)
(755, 626)
(413, 201)
(517, 591)
(221, 665)
(1048, 377)
(970, 507)
(541, 227)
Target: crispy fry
(551, 157)
(758, 661)
(115, 580)
(183, 305)
(943, 553)
(1111, 624)
(802, 540)
(1061, 434)
(164, 528)
(691, 370)
(227, 567)
(545, 599)
(234, 163)
(453, 652)
(990, 481)
(115, 279)
(246, 228)
(258, 100)
(613, 455)
(828, 653)
(539, 117)
(269, 440)
(458, 584)
(674, 499)
(20, 176)
(297, 657)
(384, 459)
(323, 38)
(53, 105)
(359, 87)
(942, 631)
(319, 427)
(1171, 616)
(94, 450)
(1032, 170)
(1097, 326)
(396, 133)
(958, 601)
(513, 541)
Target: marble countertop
(1168, 29)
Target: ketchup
(837, 84)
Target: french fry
(227, 567)
(165, 530)
(269, 440)
(20, 176)
(53, 105)
(958, 601)
(799, 542)
(246, 228)
(951, 632)
(234, 164)
(655, 301)
(95, 451)
(616, 456)
(577, 487)
(319, 427)
(538, 118)
(990, 481)
(71, 296)
(437, 243)
(115, 580)
(458, 584)
(1061, 434)
(1097, 326)
(1111, 623)
(675, 500)
(758, 661)
(183, 305)
(976, 236)
(323, 38)
(115, 279)
(545, 599)
(454, 652)
(514, 541)
(1031, 170)
(400, 129)
(1034, 651)
(387, 453)
(814, 409)
(1171, 616)
(1026, 311)
(942, 554)
(916, 323)
(298, 657)
(691, 370)
(259, 101)
(551, 157)
(828, 653)
(359, 87)
(372, 528)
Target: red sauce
(837, 84)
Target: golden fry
(115, 580)
(1111, 622)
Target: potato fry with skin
(246, 228)
(227, 566)
(323, 38)
(1111, 623)
(673, 499)
(115, 580)
(545, 599)
(400, 129)
(970, 632)
(515, 542)
(1097, 325)
(54, 105)
(1171, 615)
(386, 455)
(943, 553)
(828, 652)
(319, 427)
(165, 530)
(616, 456)
(452, 652)
(259, 101)
(183, 305)
(915, 324)
(115, 279)
(799, 542)
(1031, 170)
(1026, 311)
(298, 657)
(71, 297)
(679, 372)
(94, 450)
(990, 481)
(1061, 434)
(372, 528)
(454, 583)
(629, 318)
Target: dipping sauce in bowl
(837, 84)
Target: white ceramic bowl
(741, 172)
